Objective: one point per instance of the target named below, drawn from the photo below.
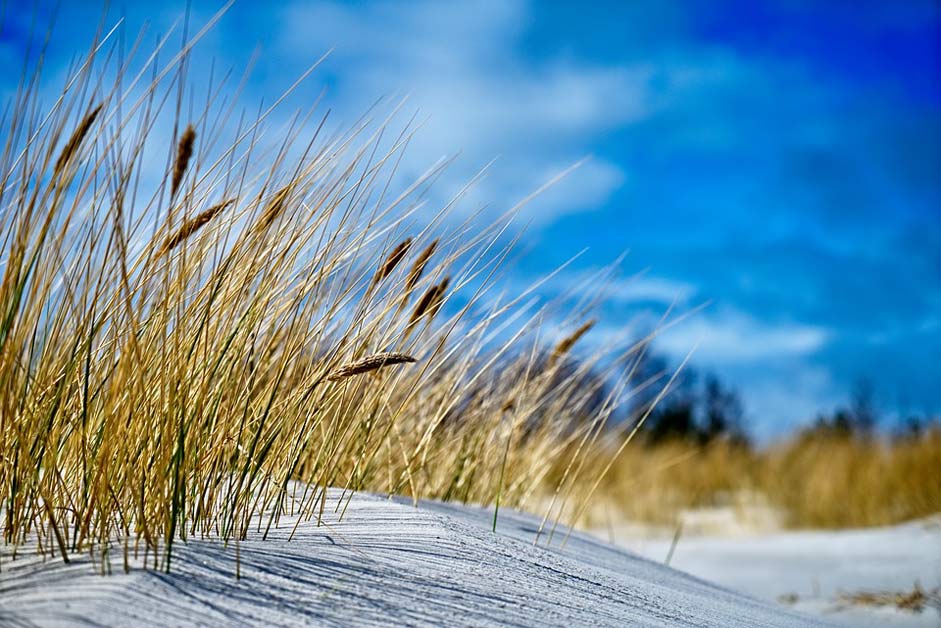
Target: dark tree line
(698, 407)
(861, 418)
(858, 418)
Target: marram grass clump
(178, 342)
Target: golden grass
(843, 482)
(150, 397)
(814, 480)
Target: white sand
(816, 567)
(386, 563)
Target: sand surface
(812, 571)
(386, 563)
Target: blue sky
(781, 160)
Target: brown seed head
(439, 298)
(568, 342)
(184, 151)
(72, 146)
(192, 226)
(275, 207)
(392, 261)
(369, 363)
(419, 266)
(430, 302)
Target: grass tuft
(148, 401)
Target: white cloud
(477, 94)
(636, 289)
(731, 336)
(587, 187)
(651, 289)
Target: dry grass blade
(913, 601)
(396, 256)
(184, 151)
(566, 344)
(192, 226)
(369, 363)
(75, 141)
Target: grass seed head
(438, 298)
(568, 342)
(419, 266)
(396, 256)
(184, 151)
(430, 302)
(192, 226)
(369, 363)
(274, 208)
(75, 141)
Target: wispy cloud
(729, 336)
(475, 93)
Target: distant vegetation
(816, 479)
(845, 469)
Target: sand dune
(386, 563)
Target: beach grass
(808, 480)
(199, 307)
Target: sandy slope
(385, 563)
